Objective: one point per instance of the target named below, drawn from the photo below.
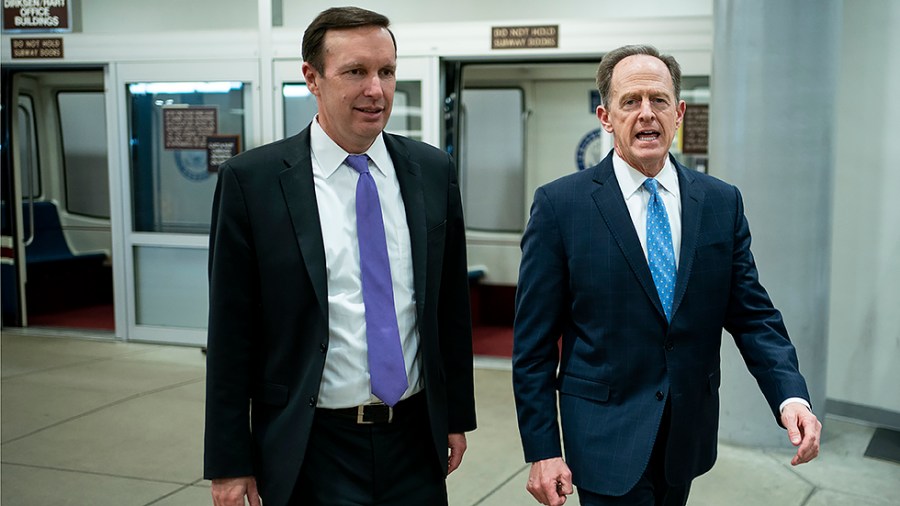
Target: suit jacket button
(312, 401)
(323, 347)
(670, 346)
(660, 396)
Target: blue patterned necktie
(387, 370)
(660, 252)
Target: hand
(550, 481)
(231, 491)
(804, 431)
(457, 445)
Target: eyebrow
(650, 93)
(358, 64)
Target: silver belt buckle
(361, 414)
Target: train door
(56, 236)
(181, 121)
(512, 127)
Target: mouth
(370, 110)
(647, 135)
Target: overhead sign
(50, 47)
(37, 15)
(524, 37)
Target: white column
(771, 134)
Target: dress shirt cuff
(794, 399)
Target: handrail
(31, 231)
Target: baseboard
(873, 416)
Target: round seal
(192, 164)
(590, 149)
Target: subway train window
(170, 125)
(406, 116)
(84, 152)
(493, 159)
(28, 149)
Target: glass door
(181, 121)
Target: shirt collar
(330, 156)
(631, 180)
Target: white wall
(299, 14)
(864, 322)
(133, 16)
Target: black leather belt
(368, 414)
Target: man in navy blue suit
(638, 264)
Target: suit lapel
(299, 194)
(692, 197)
(409, 176)
(608, 197)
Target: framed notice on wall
(189, 127)
(37, 16)
(219, 148)
(696, 130)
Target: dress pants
(652, 489)
(383, 464)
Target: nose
(373, 87)
(646, 110)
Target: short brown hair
(612, 58)
(337, 18)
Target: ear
(603, 116)
(311, 75)
(679, 115)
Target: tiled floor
(92, 422)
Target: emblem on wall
(192, 164)
(590, 149)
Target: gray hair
(612, 58)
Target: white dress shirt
(636, 199)
(345, 380)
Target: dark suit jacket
(268, 314)
(584, 277)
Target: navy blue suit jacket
(584, 277)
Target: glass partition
(299, 107)
(171, 287)
(172, 127)
(406, 116)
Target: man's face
(356, 90)
(642, 112)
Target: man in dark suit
(639, 263)
(340, 351)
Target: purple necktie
(386, 367)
